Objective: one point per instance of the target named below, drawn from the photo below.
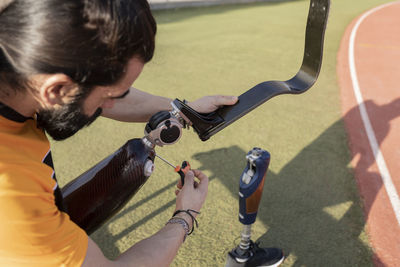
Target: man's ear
(57, 89)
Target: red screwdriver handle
(182, 170)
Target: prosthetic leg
(99, 193)
(248, 253)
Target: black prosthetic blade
(301, 82)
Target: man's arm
(161, 248)
(157, 250)
(139, 106)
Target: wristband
(188, 211)
(182, 222)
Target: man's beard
(66, 121)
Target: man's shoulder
(22, 143)
(26, 177)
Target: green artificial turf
(310, 206)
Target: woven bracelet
(182, 222)
(194, 221)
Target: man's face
(69, 118)
(65, 121)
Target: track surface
(368, 71)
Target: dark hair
(91, 41)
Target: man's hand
(193, 194)
(139, 106)
(209, 104)
(161, 248)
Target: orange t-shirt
(33, 231)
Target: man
(62, 64)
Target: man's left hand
(209, 104)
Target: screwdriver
(181, 170)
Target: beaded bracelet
(182, 222)
(194, 221)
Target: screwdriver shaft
(166, 161)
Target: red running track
(369, 74)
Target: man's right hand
(160, 248)
(193, 194)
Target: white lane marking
(385, 175)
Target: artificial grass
(310, 206)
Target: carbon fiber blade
(300, 83)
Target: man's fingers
(208, 104)
(203, 179)
(189, 178)
(179, 184)
(221, 100)
(201, 176)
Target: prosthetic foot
(248, 253)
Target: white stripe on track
(385, 175)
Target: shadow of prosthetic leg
(248, 253)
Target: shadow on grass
(294, 202)
(298, 203)
(108, 241)
(311, 207)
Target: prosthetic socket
(99, 193)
